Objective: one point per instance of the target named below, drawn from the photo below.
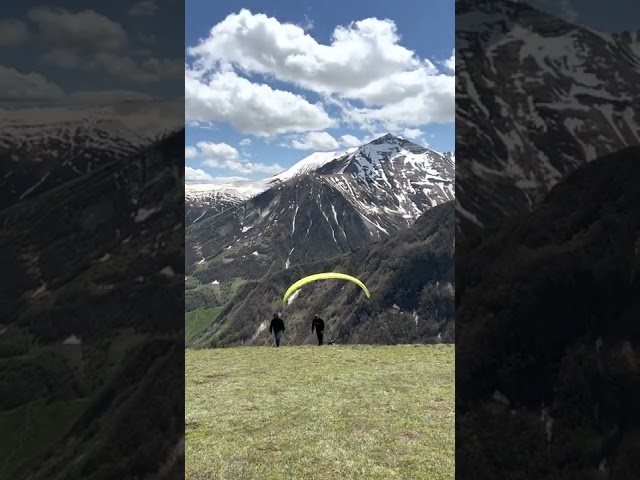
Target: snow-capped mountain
(204, 200)
(362, 196)
(41, 148)
(536, 98)
(309, 164)
(394, 177)
(101, 255)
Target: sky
(604, 16)
(268, 83)
(81, 53)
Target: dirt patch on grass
(190, 424)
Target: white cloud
(230, 179)
(250, 108)
(224, 156)
(108, 97)
(434, 104)
(350, 141)
(412, 133)
(364, 62)
(196, 175)
(29, 86)
(364, 51)
(146, 71)
(245, 142)
(567, 9)
(144, 8)
(190, 152)
(90, 41)
(16, 86)
(450, 62)
(13, 32)
(216, 154)
(88, 29)
(319, 141)
(250, 167)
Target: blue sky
(120, 50)
(272, 83)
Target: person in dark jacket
(318, 324)
(277, 328)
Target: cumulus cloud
(230, 179)
(319, 141)
(28, 86)
(190, 152)
(430, 105)
(106, 97)
(13, 32)
(63, 29)
(245, 142)
(144, 8)
(196, 175)
(251, 108)
(225, 156)
(412, 133)
(119, 65)
(362, 52)
(251, 167)
(350, 141)
(217, 154)
(450, 62)
(20, 87)
(364, 61)
(88, 40)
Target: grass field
(196, 321)
(333, 412)
(40, 426)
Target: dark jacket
(277, 325)
(318, 324)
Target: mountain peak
(386, 138)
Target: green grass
(39, 427)
(197, 320)
(333, 412)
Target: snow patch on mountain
(308, 164)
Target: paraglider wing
(322, 276)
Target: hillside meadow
(332, 412)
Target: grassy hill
(99, 258)
(547, 314)
(348, 412)
(410, 275)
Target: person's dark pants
(320, 334)
(278, 335)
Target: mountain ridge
(520, 137)
(410, 275)
(201, 197)
(353, 200)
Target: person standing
(277, 328)
(318, 324)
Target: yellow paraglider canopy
(322, 276)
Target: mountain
(410, 275)
(42, 148)
(205, 200)
(535, 100)
(548, 337)
(96, 269)
(353, 200)
(309, 164)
